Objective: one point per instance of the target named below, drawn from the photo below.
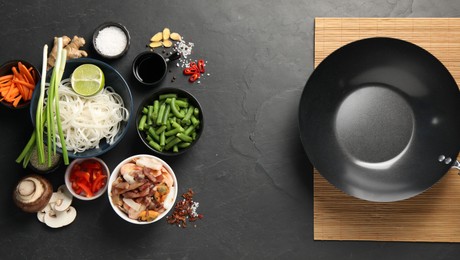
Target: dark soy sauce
(151, 69)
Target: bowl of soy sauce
(149, 68)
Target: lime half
(87, 80)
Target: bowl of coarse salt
(111, 40)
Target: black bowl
(112, 78)
(106, 25)
(6, 68)
(180, 94)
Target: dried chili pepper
(183, 210)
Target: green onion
(49, 118)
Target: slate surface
(249, 171)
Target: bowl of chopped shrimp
(142, 189)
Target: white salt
(111, 41)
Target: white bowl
(68, 183)
(169, 203)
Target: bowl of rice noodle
(91, 125)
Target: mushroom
(32, 193)
(41, 214)
(63, 199)
(57, 219)
(58, 212)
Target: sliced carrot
(6, 77)
(26, 84)
(16, 101)
(19, 85)
(25, 72)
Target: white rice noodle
(88, 120)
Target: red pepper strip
(98, 183)
(86, 189)
(190, 71)
(91, 165)
(80, 175)
(201, 66)
(194, 77)
(78, 190)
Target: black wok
(380, 119)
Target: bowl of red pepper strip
(86, 178)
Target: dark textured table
(251, 177)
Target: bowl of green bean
(169, 121)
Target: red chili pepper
(194, 77)
(193, 65)
(190, 71)
(201, 66)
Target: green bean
(172, 143)
(176, 125)
(156, 146)
(166, 114)
(189, 130)
(165, 96)
(176, 112)
(162, 138)
(160, 130)
(195, 121)
(142, 122)
(169, 139)
(187, 116)
(172, 132)
(184, 145)
(153, 134)
(156, 107)
(149, 115)
(184, 137)
(168, 124)
(161, 114)
(181, 103)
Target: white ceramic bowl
(68, 183)
(169, 203)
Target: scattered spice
(185, 209)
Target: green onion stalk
(49, 118)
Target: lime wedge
(87, 80)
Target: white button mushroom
(58, 212)
(57, 219)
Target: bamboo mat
(433, 216)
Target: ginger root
(72, 46)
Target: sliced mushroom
(57, 219)
(32, 193)
(41, 214)
(64, 198)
